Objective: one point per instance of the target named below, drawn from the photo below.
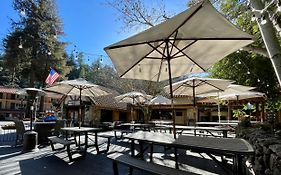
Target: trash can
(30, 141)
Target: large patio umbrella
(197, 85)
(78, 87)
(242, 95)
(231, 89)
(232, 92)
(32, 93)
(189, 42)
(159, 99)
(133, 97)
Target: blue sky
(89, 24)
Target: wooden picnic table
(85, 131)
(235, 147)
(209, 130)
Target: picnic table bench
(65, 143)
(142, 165)
(108, 137)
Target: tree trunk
(269, 38)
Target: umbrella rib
(214, 86)
(181, 50)
(191, 15)
(137, 62)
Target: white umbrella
(79, 87)
(231, 89)
(159, 99)
(242, 95)
(189, 42)
(133, 97)
(197, 85)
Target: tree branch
(257, 50)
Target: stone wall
(267, 146)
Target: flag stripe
(52, 77)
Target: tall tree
(33, 46)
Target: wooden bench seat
(65, 143)
(143, 165)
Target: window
(178, 113)
(13, 96)
(13, 106)
(1, 95)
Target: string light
(49, 53)
(22, 12)
(263, 20)
(20, 46)
(259, 80)
(253, 18)
(239, 62)
(248, 72)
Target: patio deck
(44, 161)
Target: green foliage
(239, 114)
(33, 46)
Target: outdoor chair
(20, 130)
(57, 129)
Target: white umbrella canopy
(197, 85)
(195, 38)
(159, 99)
(74, 87)
(189, 42)
(231, 89)
(133, 97)
(242, 96)
(79, 87)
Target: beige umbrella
(159, 99)
(196, 85)
(232, 93)
(242, 95)
(189, 42)
(79, 87)
(133, 97)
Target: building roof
(9, 90)
(109, 102)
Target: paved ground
(44, 161)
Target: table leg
(96, 142)
(176, 158)
(239, 169)
(224, 133)
(141, 150)
(86, 143)
(132, 147)
(151, 152)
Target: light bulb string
(240, 62)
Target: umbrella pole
(194, 100)
(219, 109)
(172, 97)
(80, 112)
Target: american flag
(52, 77)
